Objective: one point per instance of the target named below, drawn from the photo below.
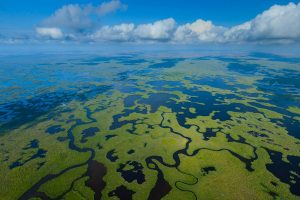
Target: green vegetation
(204, 130)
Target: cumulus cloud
(79, 18)
(50, 32)
(122, 32)
(278, 23)
(73, 17)
(164, 30)
(275, 24)
(199, 30)
(161, 30)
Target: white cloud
(200, 30)
(122, 32)
(277, 24)
(72, 17)
(80, 18)
(160, 30)
(50, 32)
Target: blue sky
(16, 13)
(19, 17)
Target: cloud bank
(278, 24)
